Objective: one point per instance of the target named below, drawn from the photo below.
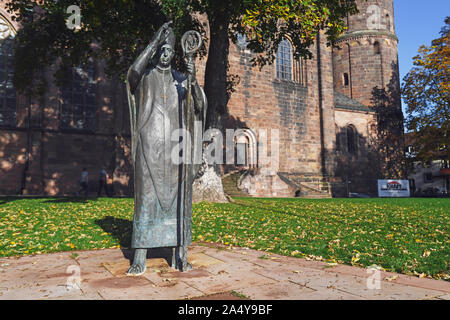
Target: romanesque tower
(366, 57)
(365, 69)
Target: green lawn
(410, 236)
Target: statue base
(160, 265)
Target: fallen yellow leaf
(391, 278)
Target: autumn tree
(426, 91)
(122, 29)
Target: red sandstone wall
(263, 101)
(66, 152)
(12, 160)
(57, 156)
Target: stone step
(230, 186)
(316, 196)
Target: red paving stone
(219, 273)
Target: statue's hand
(191, 70)
(163, 32)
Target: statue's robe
(162, 187)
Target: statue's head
(166, 50)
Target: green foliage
(123, 28)
(426, 91)
(410, 236)
(266, 23)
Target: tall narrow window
(8, 95)
(284, 60)
(241, 151)
(338, 138)
(388, 22)
(352, 145)
(345, 79)
(78, 95)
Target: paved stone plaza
(217, 272)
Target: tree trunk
(208, 186)
(216, 70)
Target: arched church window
(245, 148)
(8, 95)
(284, 60)
(352, 145)
(78, 109)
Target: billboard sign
(393, 188)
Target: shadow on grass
(78, 199)
(6, 199)
(120, 229)
(70, 199)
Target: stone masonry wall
(261, 101)
(56, 156)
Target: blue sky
(417, 22)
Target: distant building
(330, 111)
(430, 178)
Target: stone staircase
(314, 188)
(310, 187)
(307, 192)
(230, 185)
